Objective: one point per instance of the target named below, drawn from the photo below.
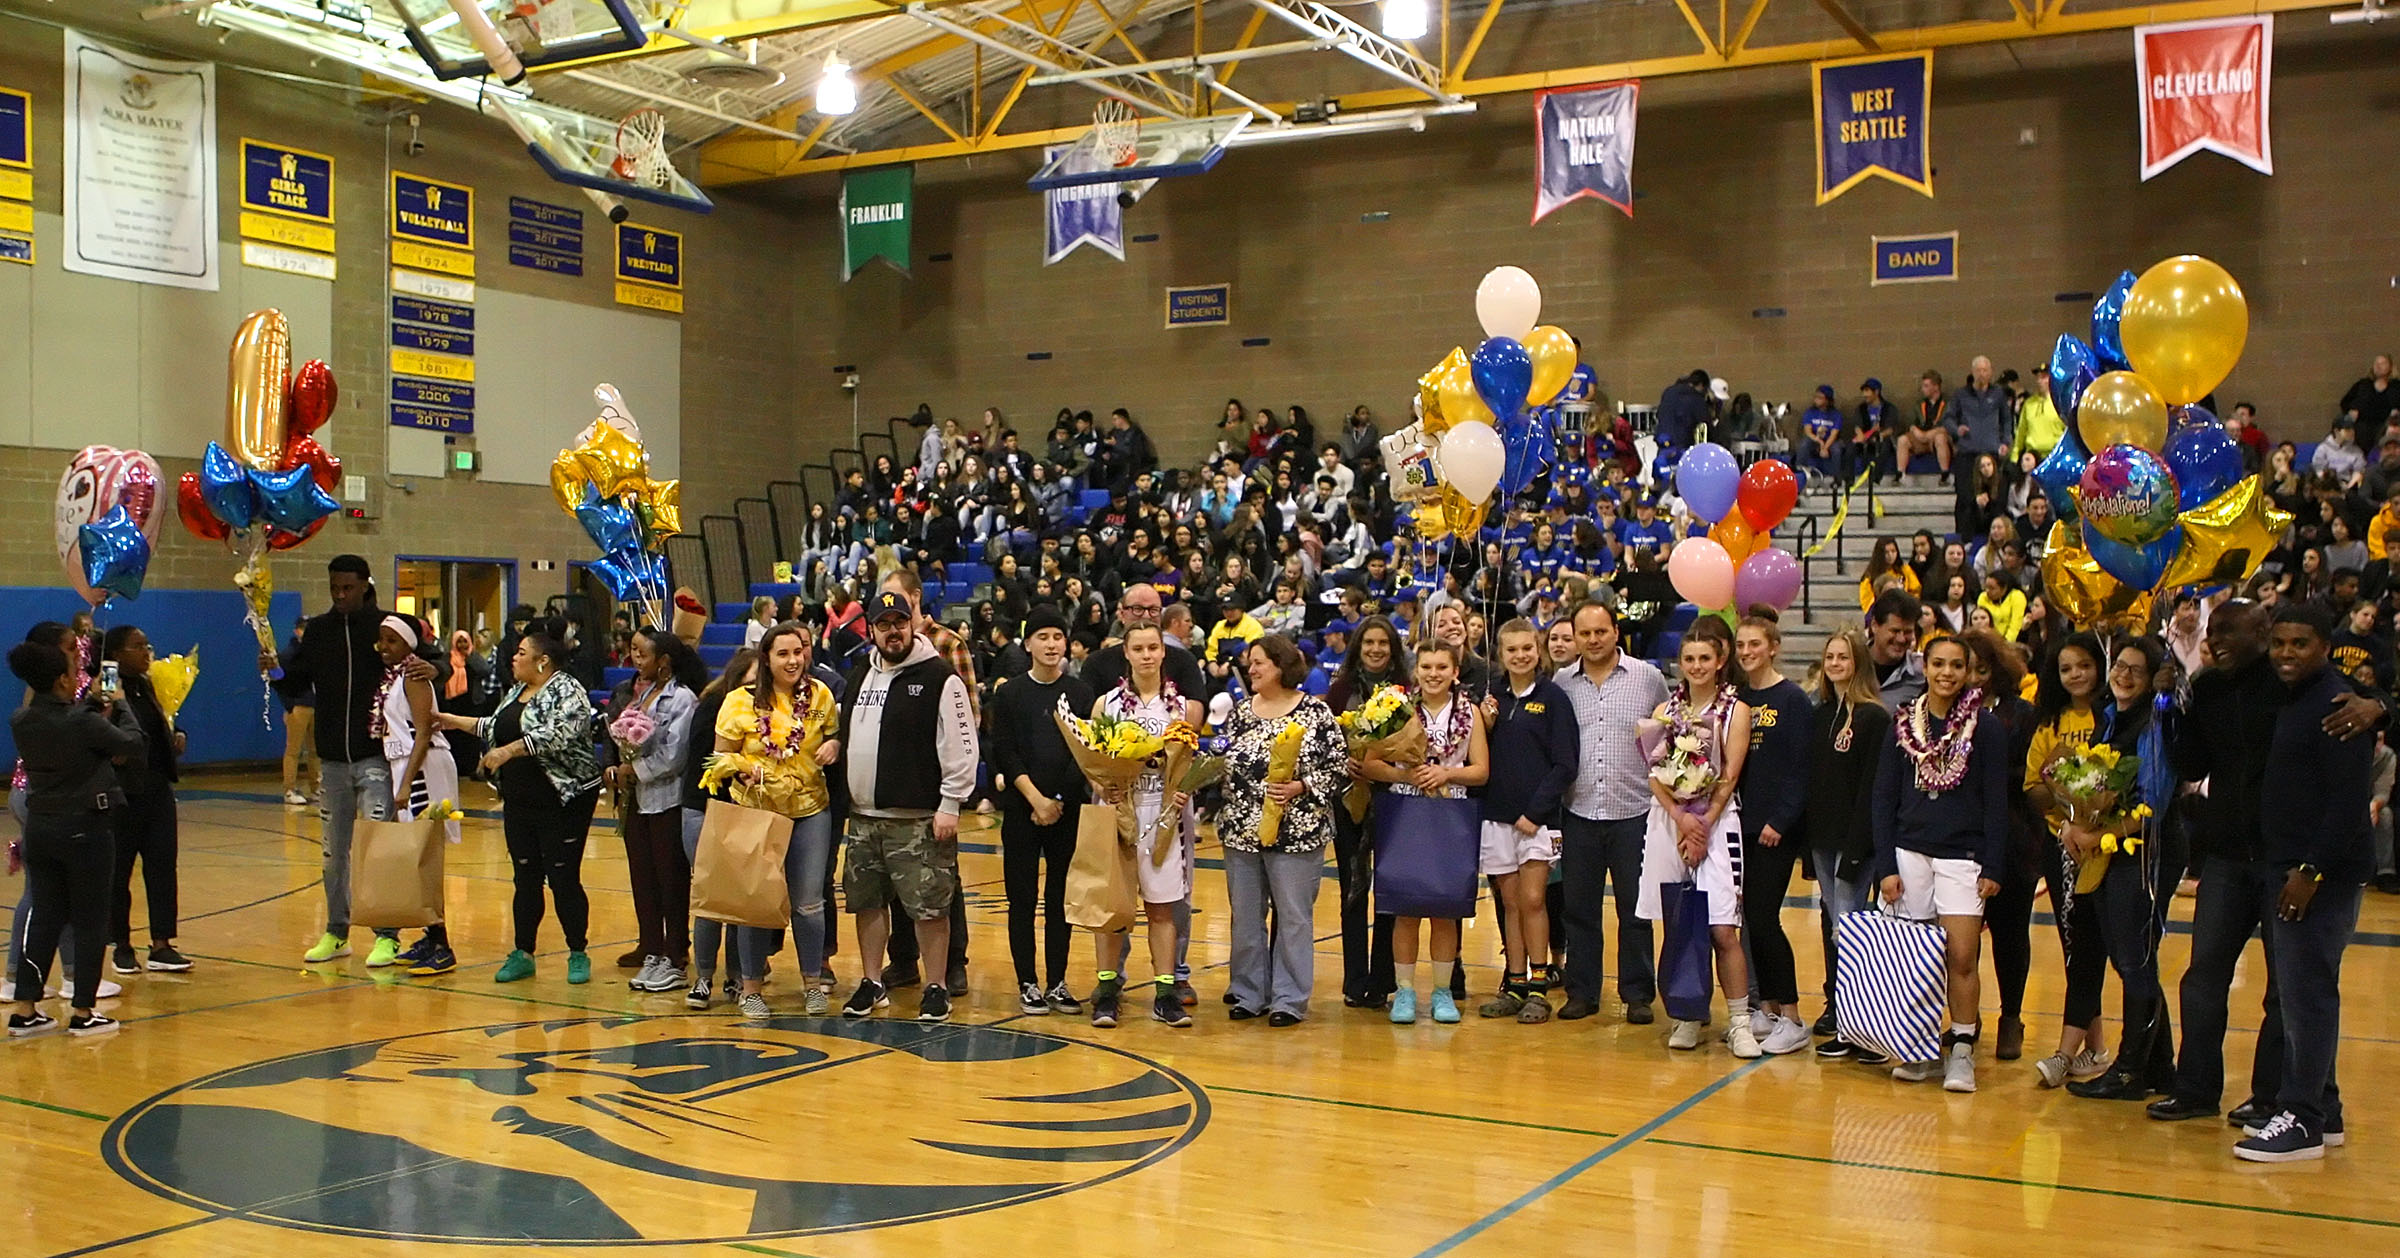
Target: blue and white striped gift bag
(1891, 984)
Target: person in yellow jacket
(2039, 426)
(1885, 568)
(2005, 602)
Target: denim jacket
(657, 764)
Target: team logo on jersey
(650, 1130)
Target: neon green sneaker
(517, 967)
(385, 952)
(329, 946)
(579, 968)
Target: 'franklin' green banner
(876, 207)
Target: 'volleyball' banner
(2204, 86)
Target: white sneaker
(1958, 1069)
(294, 799)
(753, 1005)
(1685, 1036)
(1914, 1071)
(1788, 1036)
(1739, 1038)
(2053, 1070)
(1762, 1024)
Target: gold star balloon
(2079, 589)
(1429, 392)
(2225, 538)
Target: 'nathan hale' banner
(1086, 214)
(1872, 116)
(2204, 86)
(1583, 146)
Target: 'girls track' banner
(1583, 145)
(2204, 86)
(1872, 120)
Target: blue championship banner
(16, 129)
(417, 391)
(433, 419)
(1872, 115)
(1916, 259)
(1583, 145)
(440, 314)
(649, 255)
(280, 179)
(433, 340)
(545, 237)
(431, 212)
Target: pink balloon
(1702, 572)
(99, 479)
(1771, 576)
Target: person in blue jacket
(1535, 749)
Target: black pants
(1025, 849)
(145, 830)
(1366, 935)
(68, 859)
(2132, 910)
(1766, 876)
(545, 846)
(1591, 855)
(2009, 916)
(2079, 939)
(2237, 900)
(2308, 974)
(661, 882)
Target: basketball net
(641, 147)
(1116, 132)
(541, 23)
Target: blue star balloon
(225, 486)
(2072, 370)
(292, 500)
(2062, 471)
(610, 524)
(115, 554)
(2107, 344)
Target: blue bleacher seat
(1680, 618)
(1316, 682)
(1666, 646)
(716, 656)
(2303, 452)
(970, 574)
(775, 590)
(1093, 499)
(611, 678)
(732, 613)
(721, 634)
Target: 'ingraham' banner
(1872, 115)
(2204, 86)
(1583, 146)
(1086, 214)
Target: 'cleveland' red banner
(2204, 86)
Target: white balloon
(1470, 459)
(614, 413)
(1508, 302)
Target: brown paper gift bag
(1101, 894)
(396, 873)
(737, 867)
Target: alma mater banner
(2204, 85)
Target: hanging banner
(649, 268)
(545, 237)
(1087, 214)
(1583, 145)
(1873, 116)
(1200, 306)
(876, 208)
(141, 168)
(16, 145)
(2204, 86)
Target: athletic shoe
(1958, 1067)
(1638, 1013)
(2332, 1135)
(753, 1005)
(935, 1004)
(1685, 1036)
(1167, 1007)
(1834, 1049)
(121, 959)
(109, 989)
(1915, 1071)
(1742, 1040)
(1825, 1024)
(1507, 1004)
(1762, 1024)
(384, 953)
(2053, 1070)
(1032, 1002)
(329, 947)
(517, 968)
(416, 952)
(643, 982)
(1537, 1009)
(1445, 1009)
(1404, 1006)
(23, 1024)
(1189, 997)
(579, 968)
(1787, 1036)
(1104, 1003)
(438, 961)
(294, 799)
(93, 1024)
(2283, 1139)
(1063, 1001)
(866, 999)
(1866, 1056)
(697, 997)
(2088, 1065)
(165, 959)
(817, 1001)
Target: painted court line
(1413, 1113)
(55, 1109)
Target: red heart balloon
(310, 402)
(325, 469)
(196, 516)
(1768, 493)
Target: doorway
(453, 592)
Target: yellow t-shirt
(2071, 729)
(795, 784)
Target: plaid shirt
(1612, 781)
(953, 646)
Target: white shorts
(1938, 886)
(1169, 878)
(1505, 849)
(1719, 873)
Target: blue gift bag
(1891, 977)
(1685, 954)
(1425, 855)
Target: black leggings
(2009, 916)
(2078, 937)
(1025, 848)
(67, 864)
(145, 830)
(1766, 876)
(1366, 936)
(545, 845)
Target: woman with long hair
(1535, 751)
(145, 826)
(1375, 660)
(2066, 714)
(1457, 756)
(1885, 567)
(1849, 733)
(1147, 698)
(1694, 832)
(774, 738)
(1775, 789)
(1993, 665)
(1950, 614)
(423, 771)
(645, 759)
(1274, 967)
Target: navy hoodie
(1969, 823)
(1535, 748)
(1775, 776)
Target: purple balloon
(1708, 477)
(1771, 576)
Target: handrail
(1806, 533)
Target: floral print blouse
(1324, 765)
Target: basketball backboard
(540, 33)
(1165, 148)
(581, 150)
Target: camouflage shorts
(898, 858)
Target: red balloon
(196, 516)
(277, 539)
(1768, 493)
(310, 402)
(326, 470)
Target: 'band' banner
(1583, 145)
(876, 207)
(1873, 114)
(2204, 86)
(1087, 214)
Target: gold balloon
(2121, 407)
(1429, 392)
(2183, 327)
(1460, 403)
(614, 462)
(2078, 589)
(1554, 354)
(2227, 537)
(568, 479)
(257, 380)
(665, 499)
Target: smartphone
(109, 681)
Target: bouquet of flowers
(172, 678)
(2089, 783)
(1283, 764)
(632, 728)
(1114, 752)
(1185, 771)
(1385, 727)
(1681, 762)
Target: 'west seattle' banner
(876, 207)
(2204, 86)
(1583, 145)
(1872, 116)
(1084, 215)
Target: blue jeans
(1837, 898)
(805, 861)
(2308, 979)
(707, 932)
(361, 788)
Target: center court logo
(677, 1130)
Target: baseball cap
(1546, 592)
(885, 603)
(1718, 389)
(1871, 383)
(1343, 627)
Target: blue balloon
(611, 525)
(2061, 471)
(2107, 345)
(292, 500)
(1503, 374)
(2137, 566)
(115, 554)
(2072, 370)
(1708, 478)
(225, 486)
(2205, 461)
(1531, 451)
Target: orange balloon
(1736, 535)
(1553, 353)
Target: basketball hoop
(543, 22)
(1116, 132)
(641, 147)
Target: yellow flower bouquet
(1385, 727)
(2089, 782)
(1283, 764)
(1113, 752)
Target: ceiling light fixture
(836, 93)
(1404, 19)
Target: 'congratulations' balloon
(2127, 496)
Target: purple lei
(378, 726)
(1940, 756)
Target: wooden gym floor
(256, 1106)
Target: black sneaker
(697, 997)
(1104, 1003)
(934, 1007)
(122, 960)
(408, 958)
(21, 1024)
(1062, 1000)
(869, 997)
(164, 957)
(95, 1024)
(1032, 1001)
(1167, 1007)
(2283, 1139)
(1835, 1049)
(1825, 1025)
(1866, 1056)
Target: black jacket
(1535, 748)
(337, 662)
(1838, 815)
(154, 771)
(2312, 806)
(67, 748)
(1025, 741)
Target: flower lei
(1680, 713)
(1125, 703)
(1939, 756)
(1439, 744)
(379, 726)
(795, 735)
